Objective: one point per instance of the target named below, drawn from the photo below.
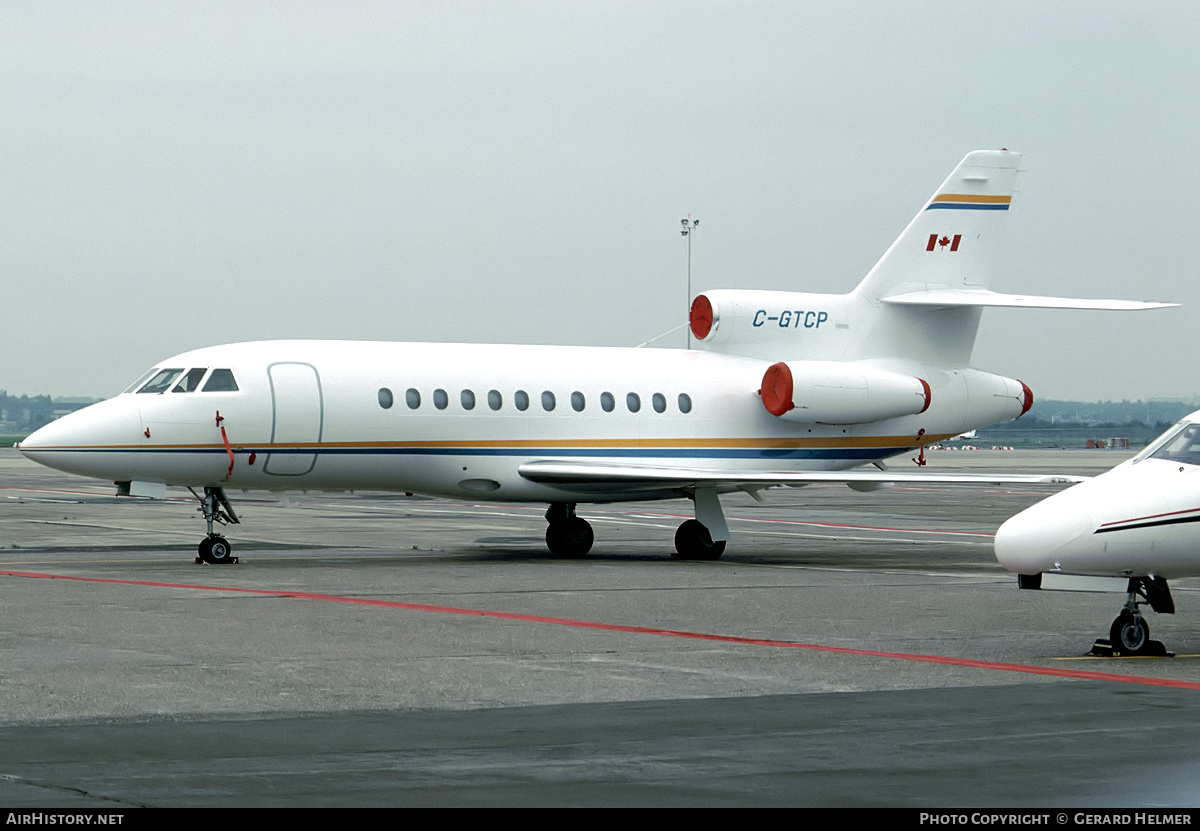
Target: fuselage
(458, 419)
(1142, 518)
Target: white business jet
(1136, 523)
(786, 388)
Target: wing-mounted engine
(830, 392)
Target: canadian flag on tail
(940, 243)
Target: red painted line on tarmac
(640, 630)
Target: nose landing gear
(214, 548)
(1130, 634)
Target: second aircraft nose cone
(1032, 541)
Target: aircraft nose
(1034, 540)
(39, 439)
(87, 442)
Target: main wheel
(1129, 635)
(694, 542)
(216, 550)
(570, 538)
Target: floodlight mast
(688, 228)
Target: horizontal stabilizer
(946, 298)
(632, 477)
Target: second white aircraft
(1139, 522)
(786, 388)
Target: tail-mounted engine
(765, 323)
(830, 392)
(853, 392)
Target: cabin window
(548, 401)
(633, 402)
(190, 382)
(161, 382)
(412, 398)
(440, 399)
(385, 398)
(685, 403)
(659, 401)
(467, 399)
(578, 402)
(495, 400)
(221, 380)
(607, 403)
(521, 400)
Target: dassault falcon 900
(784, 389)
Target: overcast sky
(174, 175)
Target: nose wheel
(1129, 634)
(215, 549)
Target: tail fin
(921, 302)
(954, 241)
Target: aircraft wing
(983, 297)
(589, 475)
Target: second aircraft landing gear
(1130, 634)
(214, 548)
(567, 535)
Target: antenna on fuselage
(688, 228)
(672, 330)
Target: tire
(570, 539)
(1129, 635)
(694, 542)
(216, 550)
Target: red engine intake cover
(1028, 402)
(777, 388)
(701, 317)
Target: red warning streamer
(225, 438)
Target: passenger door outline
(297, 417)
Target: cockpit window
(139, 381)
(1181, 444)
(221, 380)
(161, 382)
(191, 381)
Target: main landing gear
(214, 548)
(1130, 634)
(693, 541)
(702, 538)
(567, 535)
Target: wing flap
(647, 477)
